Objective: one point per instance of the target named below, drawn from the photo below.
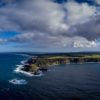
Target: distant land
(43, 61)
(53, 53)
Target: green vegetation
(33, 68)
(91, 56)
(44, 62)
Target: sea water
(65, 82)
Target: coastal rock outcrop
(34, 64)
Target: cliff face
(43, 63)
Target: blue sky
(49, 25)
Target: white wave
(23, 62)
(18, 81)
(30, 74)
(19, 70)
(19, 67)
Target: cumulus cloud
(54, 41)
(83, 43)
(46, 23)
(2, 41)
(41, 15)
(77, 12)
(97, 1)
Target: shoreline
(30, 74)
(35, 65)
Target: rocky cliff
(44, 62)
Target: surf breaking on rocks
(30, 74)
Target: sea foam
(18, 81)
(30, 74)
(23, 62)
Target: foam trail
(23, 62)
(19, 70)
(18, 81)
(30, 74)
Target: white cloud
(78, 12)
(23, 37)
(46, 24)
(2, 41)
(84, 44)
(97, 1)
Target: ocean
(63, 82)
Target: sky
(49, 25)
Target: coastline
(19, 70)
(35, 65)
(30, 74)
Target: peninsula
(44, 61)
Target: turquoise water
(66, 82)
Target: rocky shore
(42, 63)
